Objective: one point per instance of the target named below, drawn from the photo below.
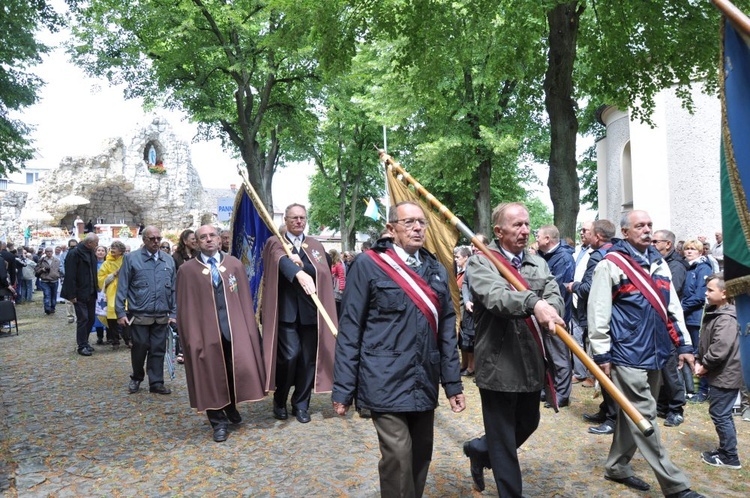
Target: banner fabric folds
(441, 237)
(735, 177)
(249, 235)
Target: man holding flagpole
(297, 343)
(396, 343)
(508, 350)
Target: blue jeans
(49, 289)
(20, 292)
(722, 400)
(27, 289)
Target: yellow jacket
(111, 266)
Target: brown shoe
(589, 382)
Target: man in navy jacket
(396, 343)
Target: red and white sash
(646, 285)
(423, 296)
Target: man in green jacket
(509, 364)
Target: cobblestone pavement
(68, 427)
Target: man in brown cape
(298, 346)
(220, 340)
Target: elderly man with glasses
(297, 344)
(397, 343)
(147, 284)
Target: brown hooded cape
(272, 254)
(198, 326)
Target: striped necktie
(516, 262)
(214, 272)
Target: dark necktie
(214, 272)
(516, 262)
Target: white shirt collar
(403, 254)
(216, 256)
(510, 255)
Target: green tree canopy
(243, 70)
(19, 50)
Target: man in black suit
(299, 347)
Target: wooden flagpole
(268, 220)
(738, 18)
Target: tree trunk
(483, 202)
(563, 21)
(348, 232)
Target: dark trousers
(405, 451)
(509, 420)
(672, 392)
(149, 346)
(49, 291)
(219, 417)
(722, 401)
(609, 407)
(562, 367)
(85, 316)
(113, 330)
(295, 363)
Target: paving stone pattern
(69, 428)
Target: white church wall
(674, 165)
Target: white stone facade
(670, 170)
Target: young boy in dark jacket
(719, 361)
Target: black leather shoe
(84, 352)
(303, 416)
(603, 429)
(631, 482)
(220, 433)
(596, 418)
(159, 389)
(477, 471)
(233, 415)
(134, 386)
(279, 412)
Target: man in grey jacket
(510, 367)
(147, 283)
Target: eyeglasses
(656, 241)
(410, 222)
(154, 239)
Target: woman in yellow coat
(108, 274)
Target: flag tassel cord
(287, 247)
(640, 421)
